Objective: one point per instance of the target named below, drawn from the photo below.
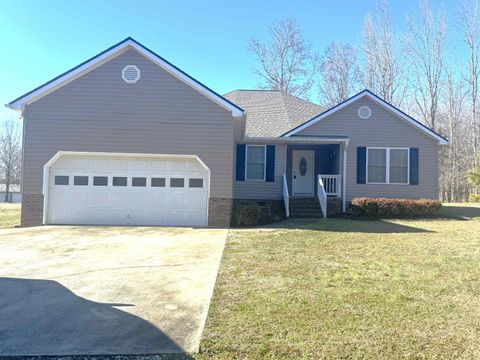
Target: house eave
(289, 140)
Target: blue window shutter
(414, 166)
(270, 171)
(240, 168)
(361, 165)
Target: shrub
(246, 215)
(394, 208)
(474, 198)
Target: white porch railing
(332, 184)
(322, 196)
(286, 197)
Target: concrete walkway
(105, 290)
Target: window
(139, 181)
(377, 165)
(195, 183)
(80, 180)
(255, 162)
(157, 182)
(399, 166)
(388, 165)
(177, 182)
(119, 181)
(100, 181)
(61, 180)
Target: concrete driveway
(105, 290)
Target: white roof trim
(380, 102)
(104, 57)
(289, 140)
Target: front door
(302, 172)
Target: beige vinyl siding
(382, 129)
(100, 112)
(263, 189)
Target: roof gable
(107, 55)
(366, 93)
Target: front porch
(314, 178)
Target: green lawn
(356, 289)
(9, 215)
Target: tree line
(415, 68)
(10, 155)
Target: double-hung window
(387, 165)
(255, 162)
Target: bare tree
(339, 74)
(10, 155)
(469, 23)
(286, 62)
(383, 71)
(453, 162)
(426, 44)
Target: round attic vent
(364, 112)
(131, 74)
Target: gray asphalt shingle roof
(271, 113)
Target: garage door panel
(100, 198)
(140, 165)
(101, 164)
(79, 198)
(175, 199)
(105, 204)
(60, 198)
(119, 164)
(81, 164)
(197, 199)
(158, 165)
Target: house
(14, 194)
(127, 138)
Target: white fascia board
(378, 101)
(62, 80)
(289, 140)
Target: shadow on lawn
(460, 212)
(347, 225)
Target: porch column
(344, 177)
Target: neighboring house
(126, 138)
(14, 194)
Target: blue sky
(207, 39)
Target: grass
(354, 289)
(9, 215)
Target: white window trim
(264, 162)
(387, 168)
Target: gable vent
(364, 112)
(131, 74)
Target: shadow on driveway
(42, 317)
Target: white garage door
(109, 190)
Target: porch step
(310, 207)
(305, 208)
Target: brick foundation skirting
(32, 210)
(219, 212)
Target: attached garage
(126, 189)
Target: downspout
(344, 178)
